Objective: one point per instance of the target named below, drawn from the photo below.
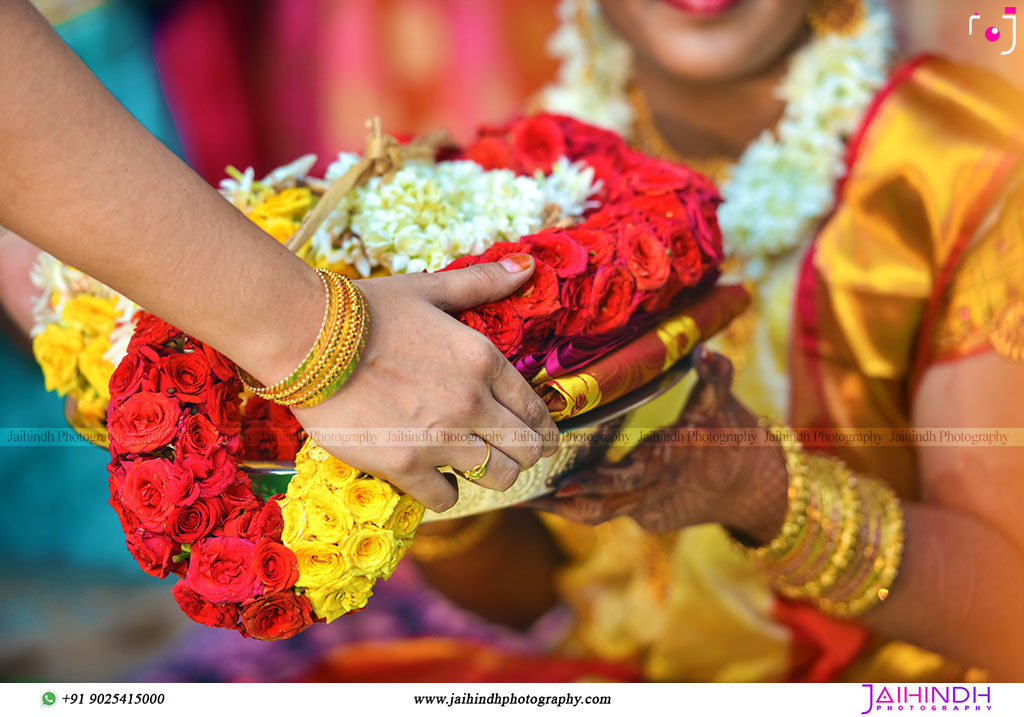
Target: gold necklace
(650, 140)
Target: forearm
(958, 591)
(84, 181)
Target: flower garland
(265, 567)
(421, 218)
(271, 566)
(81, 332)
(785, 180)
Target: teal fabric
(53, 510)
(113, 39)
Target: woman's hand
(666, 483)
(422, 369)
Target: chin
(709, 40)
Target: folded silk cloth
(644, 358)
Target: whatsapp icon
(49, 698)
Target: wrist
(288, 326)
(756, 512)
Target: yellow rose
(304, 480)
(370, 500)
(310, 451)
(294, 515)
(292, 203)
(92, 315)
(406, 517)
(372, 551)
(278, 227)
(91, 409)
(333, 601)
(96, 369)
(335, 474)
(320, 563)
(327, 517)
(56, 350)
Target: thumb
(714, 385)
(473, 286)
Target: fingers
(587, 510)
(513, 392)
(607, 480)
(501, 472)
(714, 388)
(462, 289)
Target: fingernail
(568, 490)
(515, 263)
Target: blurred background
(257, 83)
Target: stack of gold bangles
(841, 540)
(334, 355)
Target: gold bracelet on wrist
(334, 355)
(841, 541)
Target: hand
(665, 486)
(422, 369)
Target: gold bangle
(332, 359)
(842, 539)
(433, 548)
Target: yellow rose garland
(346, 528)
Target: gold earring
(837, 17)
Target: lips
(703, 7)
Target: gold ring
(473, 474)
(477, 472)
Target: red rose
(502, 249)
(270, 522)
(220, 366)
(223, 570)
(151, 331)
(577, 306)
(201, 610)
(223, 406)
(276, 565)
(129, 521)
(239, 495)
(664, 297)
(212, 474)
(144, 422)
(239, 524)
(464, 261)
(277, 616)
(153, 552)
(189, 523)
(600, 245)
(640, 251)
(687, 261)
(537, 143)
(186, 375)
(612, 300)
(491, 153)
(269, 441)
(499, 322)
(197, 436)
(134, 370)
(559, 251)
(539, 296)
(154, 488)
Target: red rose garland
(178, 429)
(176, 435)
(650, 244)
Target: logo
(928, 698)
(49, 698)
(994, 34)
